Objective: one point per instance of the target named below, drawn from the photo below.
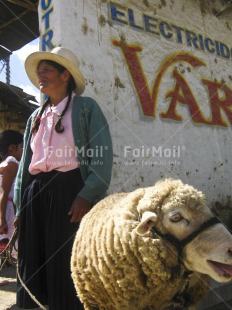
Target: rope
(6, 255)
(28, 291)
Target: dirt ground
(8, 291)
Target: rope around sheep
(28, 291)
(6, 255)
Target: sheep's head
(178, 214)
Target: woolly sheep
(118, 263)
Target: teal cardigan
(94, 148)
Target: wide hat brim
(31, 66)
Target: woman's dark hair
(7, 138)
(71, 86)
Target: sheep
(153, 248)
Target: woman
(11, 142)
(61, 175)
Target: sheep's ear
(148, 220)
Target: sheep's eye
(176, 217)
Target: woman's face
(15, 150)
(50, 79)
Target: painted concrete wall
(161, 72)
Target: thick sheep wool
(115, 268)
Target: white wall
(199, 147)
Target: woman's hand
(79, 208)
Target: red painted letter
(183, 94)
(138, 78)
(218, 104)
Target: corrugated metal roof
(18, 24)
(16, 100)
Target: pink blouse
(52, 150)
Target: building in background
(15, 107)
(19, 26)
(161, 72)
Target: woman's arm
(98, 152)
(8, 177)
(95, 155)
(23, 175)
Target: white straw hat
(60, 55)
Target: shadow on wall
(224, 212)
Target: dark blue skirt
(45, 241)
